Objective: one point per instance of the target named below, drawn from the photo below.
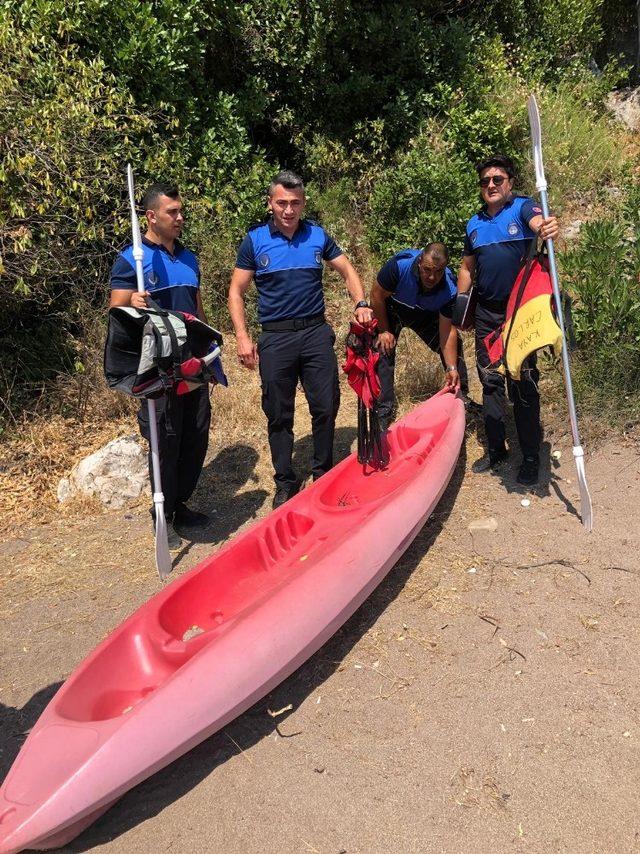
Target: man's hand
(247, 352)
(139, 300)
(363, 315)
(451, 380)
(549, 228)
(386, 342)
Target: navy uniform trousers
(426, 325)
(286, 357)
(182, 442)
(523, 394)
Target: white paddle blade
(536, 140)
(586, 508)
(163, 557)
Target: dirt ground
(484, 699)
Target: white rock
(488, 524)
(525, 502)
(572, 229)
(64, 490)
(625, 106)
(117, 474)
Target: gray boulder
(116, 474)
(625, 106)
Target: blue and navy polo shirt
(499, 244)
(400, 277)
(288, 272)
(172, 280)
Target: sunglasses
(498, 180)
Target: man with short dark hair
(285, 256)
(416, 289)
(496, 243)
(172, 280)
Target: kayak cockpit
(142, 657)
(359, 485)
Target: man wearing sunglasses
(416, 289)
(496, 242)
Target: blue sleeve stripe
(175, 285)
(408, 305)
(273, 270)
(524, 239)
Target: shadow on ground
(153, 795)
(221, 496)
(508, 473)
(16, 723)
(303, 450)
(220, 491)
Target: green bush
(67, 130)
(428, 195)
(603, 271)
(384, 108)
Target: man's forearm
(235, 304)
(354, 286)
(379, 306)
(449, 344)
(464, 280)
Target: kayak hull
(219, 638)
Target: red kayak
(219, 638)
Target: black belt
(293, 324)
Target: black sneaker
(284, 493)
(491, 461)
(528, 473)
(184, 517)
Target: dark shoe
(528, 473)
(173, 538)
(184, 517)
(284, 493)
(491, 461)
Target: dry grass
(43, 450)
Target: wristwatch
(450, 369)
(361, 304)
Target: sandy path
(484, 699)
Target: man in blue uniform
(496, 242)
(416, 289)
(172, 279)
(285, 257)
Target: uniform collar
(177, 248)
(273, 228)
(486, 215)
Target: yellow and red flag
(530, 323)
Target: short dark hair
(497, 161)
(288, 179)
(150, 198)
(437, 251)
